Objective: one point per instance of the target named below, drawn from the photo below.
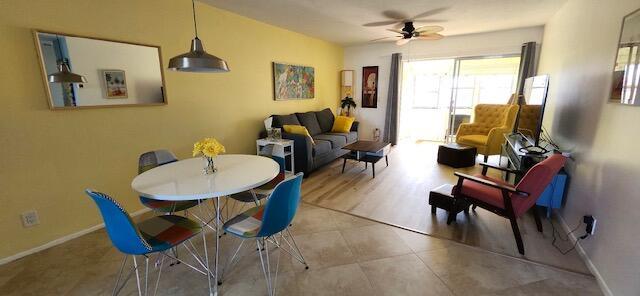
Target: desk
(184, 180)
(518, 160)
(553, 195)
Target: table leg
(373, 167)
(218, 228)
(206, 254)
(386, 158)
(344, 163)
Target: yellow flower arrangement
(209, 147)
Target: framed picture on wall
(370, 87)
(293, 82)
(115, 83)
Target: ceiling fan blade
(394, 14)
(378, 39)
(402, 41)
(380, 24)
(430, 12)
(430, 37)
(429, 29)
(397, 31)
(430, 21)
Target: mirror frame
(44, 73)
(615, 60)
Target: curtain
(527, 67)
(391, 118)
(527, 64)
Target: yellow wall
(49, 157)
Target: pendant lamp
(64, 74)
(197, 60)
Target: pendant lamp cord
(195, 23)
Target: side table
(282, 148)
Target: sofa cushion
(337, 141)
(350, 136)
(325, 120)
(280, 120)
(321, 147)
(309, 120)
(342, 124)
(473, 140)
(298, 130)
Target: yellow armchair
(486, 132)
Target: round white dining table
(185, 180)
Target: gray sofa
(328, 146)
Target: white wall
(140, 63)
(578, 53)
(379, 54)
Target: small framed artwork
(115, 83)
(370, 87)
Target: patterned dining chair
(158, 235)
(256, 195)
(268, 223)
(152, 159)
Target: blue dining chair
(150, 160)
(269, 223)
(158, 235)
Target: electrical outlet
(30, 218)
(591, 224)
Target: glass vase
(209, 165)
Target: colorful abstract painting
(292, 82)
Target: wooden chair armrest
(491, 184)
(508, 170)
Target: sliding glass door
(439, 95)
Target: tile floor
(399, 196)
(347, 256)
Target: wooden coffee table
(367, 151)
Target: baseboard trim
(61, 240)
(587, 261)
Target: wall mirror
(626, 72)
(116, 73)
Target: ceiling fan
(409, 32)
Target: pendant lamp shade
(197, 60)
(64, 75)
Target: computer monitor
(532, 111)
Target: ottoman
(441, 197)
(457, 156)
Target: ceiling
(341, 21)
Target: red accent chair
(503, 198)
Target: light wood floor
(399, 196)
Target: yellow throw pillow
(342, 124)
(297, 129)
